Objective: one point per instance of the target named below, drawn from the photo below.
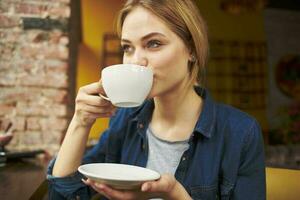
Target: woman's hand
(167, 187)
(90, 106)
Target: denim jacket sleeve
(250, 183)
(71, 187)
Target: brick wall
(34, 71)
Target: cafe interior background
(50, 48)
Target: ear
(192, 58)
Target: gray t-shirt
(164, 156)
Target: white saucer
(118, 176)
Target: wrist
(80, 123)
(178, 192)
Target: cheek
(169, 62)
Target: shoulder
(234, 118)
(234, 115)
(237, 125)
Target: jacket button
(183, 159)
(141, 125)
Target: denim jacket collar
(205, 123)
(207, 118)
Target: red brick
(26, 65)
(46, 110)
(57, 52)
(26, 109)
(56, 95)
(54, 123)
(56, 66)
(58, 110)
(44, 80)
(53, 37)
(5, 7)
(60, 12)
(18, 123)
(33, 123)
(7, 50)
(8, 22)
(29, 94)
(56, 36)
(15, 94)
(64, 1)
(6, 109)
(36, 36)
(29, 138)
(7, 79)
(45, 52)
(52, 137)
(4, 65)
(28, 8)
(34, 74)
(30, 80)
(10, 36)
(64, 40)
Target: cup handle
(104, 97)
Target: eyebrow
(145, 37)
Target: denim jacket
(225, 159)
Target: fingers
(92, 184)
(93, 88)
(89, 94)
(109, 192)
(165, 184)
(90, 106)
(93, 100)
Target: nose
(138, 58)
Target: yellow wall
(97, 18)
(221, 25)
(243, 27)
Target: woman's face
(146, 40)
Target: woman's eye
(126, 48)
(153, 44)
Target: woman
(203, 150)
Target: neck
(177, 106)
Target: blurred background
(50, 48)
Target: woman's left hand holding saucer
(167, 187)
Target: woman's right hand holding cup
(89, 105)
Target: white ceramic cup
(126, 85)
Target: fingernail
(145, 188)
(99, 185)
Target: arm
(64, 180)
(89, 107)
(250, 181)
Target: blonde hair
(184, 19)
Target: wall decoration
(287, 75)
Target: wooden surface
(20, 179)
